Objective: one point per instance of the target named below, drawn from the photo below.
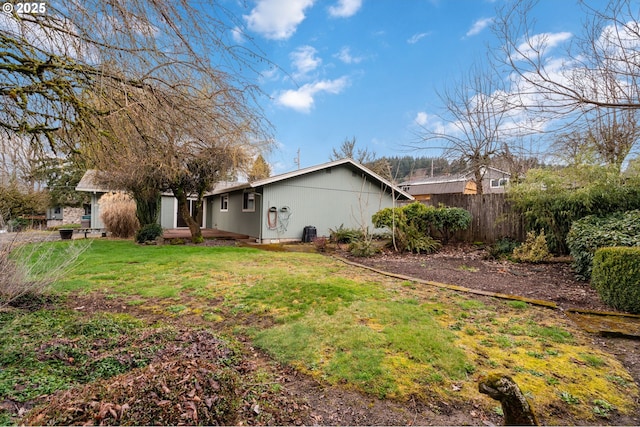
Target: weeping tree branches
(157, 95)
(59, 66)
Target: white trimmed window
(497, 183)
(249, 202)
(224, 203)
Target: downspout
(261, 215)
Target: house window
(497, 183)
(57, 211)
(224, 203)
(249, 202)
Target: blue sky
(369, 69)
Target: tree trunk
(183, 209)
(477, 172)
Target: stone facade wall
(69, 216)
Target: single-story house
(169, 217)
(279, 208)
(421, 188)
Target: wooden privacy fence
(492, 216)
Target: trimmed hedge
(616, 277)
(593, 232)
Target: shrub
(320, 243)
(27, 268)
(345, 235)
(593, 232)
(118, 212)
(413, 240)
(552, 199)
(534, 249)
(502, 248)
(149, 232)
(363, 248)
(414, 223)
(447, 221)
(616, 277)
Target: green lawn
(340, 324)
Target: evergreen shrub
(533, 250)
(592, 232)
(414, 223)
(149, 233)
(616, 277)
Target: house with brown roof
(422, 188)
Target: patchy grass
(340, 324)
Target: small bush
(593, 232)
(616, 277)
(149, 232)
(363, 248)
(118, 212)
(27, 269)
(345, 235)
(534, 249)
(414, 241)
(320, 243)
(502, 248)
(447, 221)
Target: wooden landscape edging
(542, 303)
(624, 325)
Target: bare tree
(605, 136)
(472, 123)
(186, 146)
(348, 150)
(150, 92)
(600, 69)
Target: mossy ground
(357, 329)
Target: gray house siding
(168, 208)
(234, 219)
(325, 199)
(96, 220)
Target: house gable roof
(89, 183)
(460, 177)
(299, 172)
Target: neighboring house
(66, 215)
(421, 188)
(279, 208)
(325, 196)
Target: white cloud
(345, 8)
(421, 118)
(304, 60)
(345, 56)
(302, 99)
(417, 37)
(277, 19)
(542, 43)
(237, 35)
(478, 26)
